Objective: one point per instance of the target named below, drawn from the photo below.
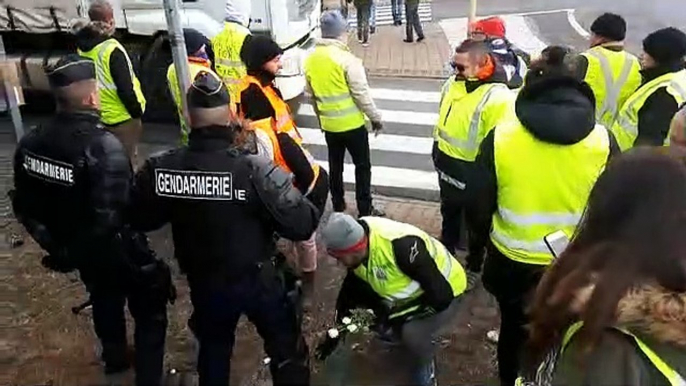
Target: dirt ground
(43, 343)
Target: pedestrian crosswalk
(401, 154)
(384, 14)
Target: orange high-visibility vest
(281, 123)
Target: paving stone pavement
(388, 55)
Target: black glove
(377, 127)
(326, 347)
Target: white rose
(370, 312)
(352, 328)
(172, 371)
(333, 333)
(347, 320)
(267, 360)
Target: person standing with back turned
(612, 73)
(337, 81)
(228, 43)
(121, 97)
(535, 171)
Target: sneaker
(472, 279)
(365, 44)
(372, 30)
(493, 336)
(420, 39)
(408, 40)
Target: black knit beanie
(258, 50)
(666, 45)
(610, 26)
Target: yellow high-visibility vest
(672, 376)
(173, 83)
(337, 109)
(385, 277)
(542, 188)
(466, 118)
(625, 127)
(614, 76)
(112, 110)
(227, 55)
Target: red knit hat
(493, 27)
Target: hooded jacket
(656, 316)
(90, 36)
(555, 109)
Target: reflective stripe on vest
(194, 67)
(466, 118)
(282, 122)
(542, 188)
(264, 126)
(335, 104)
(674, 378)
(385, 277)
(613, 76)
(112, 108)
(625, 127)
(227, 51)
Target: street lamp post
(179, 54)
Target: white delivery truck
(37, 33)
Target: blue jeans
(396, 10)
(372, 15)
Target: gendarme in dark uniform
(72, 181)
(224, 206)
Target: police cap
(70, 69)
(207, 91)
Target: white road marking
(384, 15)
(392, 94)
(575, 24)
(393, 177)
(388, 116)
(384, 142)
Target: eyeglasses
(457, 67)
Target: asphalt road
(642, 17)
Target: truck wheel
(160, 106)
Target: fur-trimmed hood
(648, 310)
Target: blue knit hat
(333, 24)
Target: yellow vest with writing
(173, 83)
(382, 273)
(465, 118)
(625, 127)
(337, 109)
(671, 375)
(542, 188)
(614, 76)
(227, 55)
(112, 110)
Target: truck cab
(36, 33)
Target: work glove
(326, 347)
(376, 128)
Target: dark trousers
(396, 10)
(454, 204)
(109, 300)
(412, 21)
(363, 14)
(512, 284)
(357, 143)
(262, 299)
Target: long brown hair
(633, 232)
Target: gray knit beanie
(342, 232)
(333, 24)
